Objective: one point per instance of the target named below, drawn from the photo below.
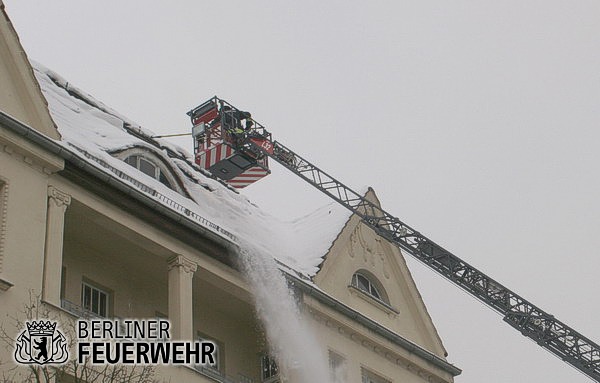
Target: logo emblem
(264, 144)
(40, 344)
(267, 146)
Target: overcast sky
(475, 121)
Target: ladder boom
(530, 320)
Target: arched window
(148, 167)
(369, 285)
(151, 164)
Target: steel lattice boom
(531, 321)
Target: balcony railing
(77, 310)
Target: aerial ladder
(243, 150)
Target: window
(94, 300)
(268, 367)
(369, 377)
(337, 367)
(218, 354)
(154, 164)
(149, 168)
(367, 285)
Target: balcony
(112, 271)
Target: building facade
(100, 220)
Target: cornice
(22, 150)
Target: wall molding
(27, 153)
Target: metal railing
(77, 310)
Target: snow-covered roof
(94, 131)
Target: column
(58, 202)
(181, 271)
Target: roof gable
(359, 249)
(21, 97)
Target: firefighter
(232, 122)
(232, 119)
(249, 122)
(239, 116)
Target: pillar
(181, 271)
(58, 202)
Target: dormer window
(153, 165)
(368, 285)
(149, 168)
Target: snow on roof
(317, 231)
(95, 131)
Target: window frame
(163, 171)
(142, 161)
(373, 285)
(219, 366)
(367, 376)
(338, 366)
(369, 287)
(269, 371)
(382, 303)
(107, 302)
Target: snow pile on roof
(95, 130)
(316, 232)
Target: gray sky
(475, 121)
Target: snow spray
(294, 346)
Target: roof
(96, 132)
